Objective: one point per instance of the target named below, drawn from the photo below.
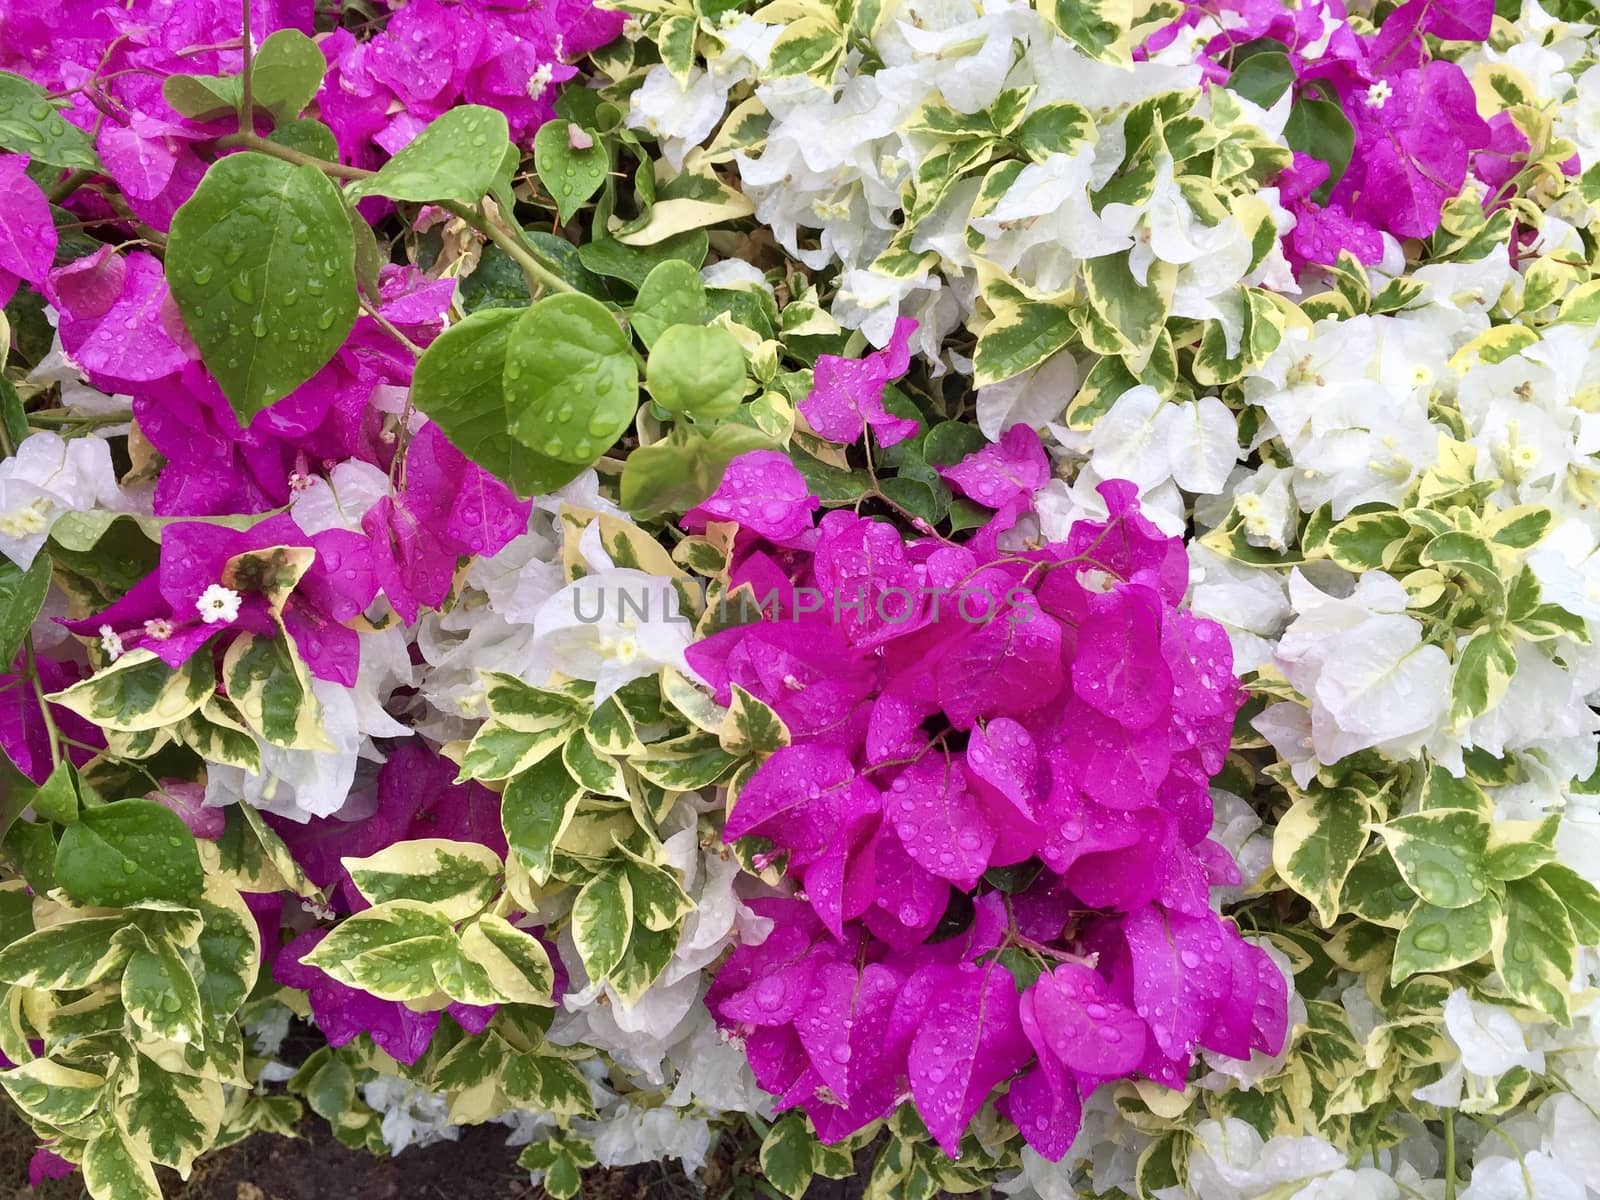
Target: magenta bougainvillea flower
(199, 591)
(995, 809)
(27, 234)
(1414, 118)
(847, 393)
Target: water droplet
(201, 274)
(241, 289)
(1434, 939)
(325, 319)
(300, 235)
(841, 1054)
(129, 866)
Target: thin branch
(247, 120)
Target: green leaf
(1320, 128)
(161, 995)
(1440, 854)
(457, 879)
(677, 474)
(537, 806)
(1022, 335)
(570, 379)
(1367, 542)
(1317, 844)
(684, 764)
(391, 950)
(788, 1155)
(127, 852)
(309, 137)
(1126, 317)
(457, 157)
(1579, 895)
(114, 1170)
(659, 901)
(52, 1093)
(672, 294)
(202, 97)
(1519, 848)
(1483, 673)
(261, 262)
(1533, 947)
(57, 797)
(1263, 78)
(22, 595)
(697, 370)
(602, 919)
(286, 73)
(1059, 128)
(74, 954)
(548, 1084)
(139, 692)
(515, 961)
(1441, 939)
(751, 727)
(459, 384)
(29, 124)
(631, 264)
(570, 175)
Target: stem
(44, 708)
(539, 276)
(247, 119)
(251, 141)
(69, 184)
(1449, 1157)
(61, 417)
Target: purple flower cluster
(1415, 117)
(998, 827)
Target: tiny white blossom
(158, 629)
(539, 81)
(1378, 94)
(218, 604)
(110, 642)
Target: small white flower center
(1378, 94)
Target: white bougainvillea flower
(46, 477)
(1536, 1176)
(340, 500)
(1371, 680)
(1194, 443)
(613, 626)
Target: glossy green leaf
(261, 262)
(697, 370)
(570, 380)
(459, 384)
(127, 852)
(29, 124)
(572, 174)
(457, 157)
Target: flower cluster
(1006, 747)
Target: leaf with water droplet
(41, 134)
(1535, 947)
(242, 216)
(1440, 854)
(698, 370)
(569, 349)
(457, 157)
(1441, 939)
(95, 854)
(460, 384)
(570, 175)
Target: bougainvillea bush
(995, 597)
